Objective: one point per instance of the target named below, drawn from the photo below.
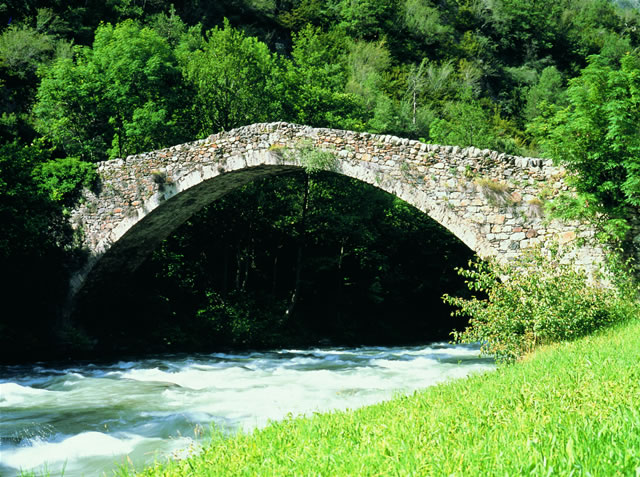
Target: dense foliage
(597, 133)
(120, 97)
(84, 81)
(535, 301)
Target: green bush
(64, 179)
(231, 319)
(533, 301)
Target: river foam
(87, 418)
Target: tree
(120, 97)
(412, 113)
(308, 12)
(597, 135)
(367, 19)
(523, 28)
(367, 62)
(548, 90)
(425, 20)
(236, 81)
(34, 239)
(463, 123)
(23, 50)
(316, 79)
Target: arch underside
(125, 254)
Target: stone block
(566, 237)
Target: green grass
(569, 409)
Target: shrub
(231, 320)
(533, 301)
(314, 159)
(64, 179)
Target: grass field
(569, 409)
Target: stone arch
(488, 200)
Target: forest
(86, 81)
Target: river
(89, 418)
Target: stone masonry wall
(493, 202)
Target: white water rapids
(88, 419)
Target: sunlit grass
(570, 409)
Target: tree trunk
(295, 294)
(274, 274)
(415, 106)
(238, 267)
(225, 272)
(246, 265)
(337, 299)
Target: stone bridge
(492, 202)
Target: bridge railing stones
(492, 201)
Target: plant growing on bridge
(159, 177)
(534, 301)
(314, 159)
(497, 193)
(469, 173)
(405, 170)
(536, 207)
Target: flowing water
(88, 419)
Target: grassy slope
(572, 409)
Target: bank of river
(90, 418)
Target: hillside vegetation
(85, 81)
